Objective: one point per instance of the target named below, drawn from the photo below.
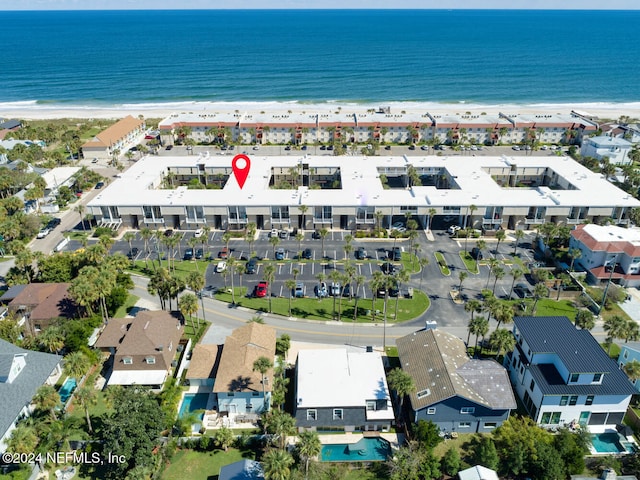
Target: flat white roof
(59, 175)
(613, 233)
(137, 377)
(607, 141)
(361, 185)
(337, 378)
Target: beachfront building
(115, 139)
(563, 376)
(383, 125)
(629, 352)
(358, 192)
(615, 149)
(608, 252)
(457, 393)
(339, 390)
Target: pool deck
(631, 440)
(394, 439)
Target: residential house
(608, 252)
(455, 392)
(563, 376)
(115, 139)
(39, 305)
(340, 390)
(239, 388)
(142, 348)
(614, 148)
(477, 472)
(22, 372)
(245, 469)
(204, 365)
(629, 352)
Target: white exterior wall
(570, 413)
(617, 154)
(628, 354)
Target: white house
(563, 376)
(608, 252)
(614, 148)
(628, 353)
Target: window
(195, 214)
(563, 400)
(464, 425)
(546, 416)
(365, 215)
(555, 418)
(255, 394)
(152, 214)
(322, 214)
(371, 405)
(312, 414)
(150, 360)
(231, 394)
(467, 410)
(589, 400)
(237, 214)
(431, 411)
(574, 377)
(597, 378)
(532, 385)
(423, 393)
(280, 214)
(490, 425)
(127, 360)
(626, 354)
(573, 400)
(337, 414)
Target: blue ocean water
(315, 56)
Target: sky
(337, 4)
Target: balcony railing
(536, 221)
(154, 220)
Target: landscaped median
(469, 262)
(322, 308)
(442, 263)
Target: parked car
(321, 290)
(261, 289)
(221, 267)
(43, 232)
(199, 254)
(299, 290)
(399, 227)
(280, 254)
(209, 291)
(198, 233)
(522, 290)
(168, 232)
(381, 292)
(283, 234)
(223, 253)
(273, 232)
(133, 253)
(53, 223)
(476, 253)
(361, 253)
(315, 235)
(334, 291)
(99, 185)
(453, 229)
(395, 254)
(388, 268)
(252, 266)
(346, 291)
(188, 254)
(169, 147)
(306, 254)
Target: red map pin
(241, 165)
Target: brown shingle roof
(244, 346)
(203, 361)
(45, 301)
(440, 368)
(114, 133)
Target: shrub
(99, 231)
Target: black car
(99, 185)
(169, 147)
(388, 268)
(330, 147)
(53, 223)
(168, 233)
(199, 253)
(288, 147)
(306, 254)
(133, 253)
(188, 254)
(315, 235)
(252, 266)
(476, 253)
(381, 292)
(323, 147)
(395, 254)
(388, 147)
(346, 290)
(303, 147)
(361, 253)
(522, 290)
(412, 147)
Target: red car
(224, 253)
(261, 289)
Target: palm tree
(480, 245)
(231, 267)
(424, 261)
(188, 305)
(308, 446)
(519, 234)
(46, 398)
(269, 275)
(539, 291)
(479, 327)
(632, 369)
(516, 274)
(80, 209)
(299, 238)
(86, 396)
(277, 464)
(280, 424)
(360, 280)
(474, 306)
(24, 439)
(377, 281)
(402, 383)
(195, 281)
(335, 276)
(502, 340)
(504, 314)
(491, 263)
(471, 209)
(52, 339)
(574, 253)
(223, 437)
(274, 241)
(615, 327)
(432, 212)
(76, 364)
(290, 284)
(498, 273)
(262, 365)
(129, 237)
(303, 210)
(500, 235)
(585, 319)
(323, 234)
(400, 278)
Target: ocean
(112, 58)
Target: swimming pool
(67, 389)
(365, 450)
(611, 442)
(192, 402)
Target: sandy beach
(34, 111)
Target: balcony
(534, 221)
(492, 221)
(154, 220)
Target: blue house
(629, 352)
(455, 392)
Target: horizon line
(604, 9)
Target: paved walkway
(632, 306)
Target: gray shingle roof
(16, 395)
(440, 368)
(242, 470)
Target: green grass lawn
(442, 263)
(189, 331)
(199, 465)
(410, 263)
(182, 269)
(518, 261)
(469, 262)
(549, 307)
(124, 309)
(322, 309)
